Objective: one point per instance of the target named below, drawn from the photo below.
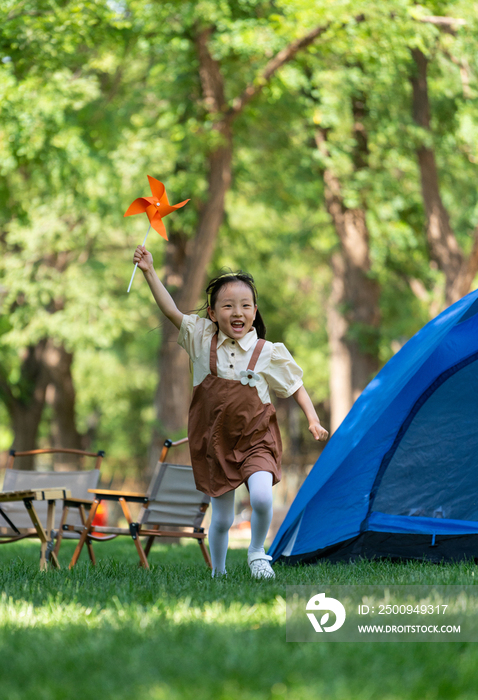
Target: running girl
(233, 433)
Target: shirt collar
(245, 343)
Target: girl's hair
(215, 285)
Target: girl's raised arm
(161, 295)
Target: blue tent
(399, 478)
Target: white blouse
(276, 366)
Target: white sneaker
(259, 565)
(219, 574)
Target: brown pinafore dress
(232, 434)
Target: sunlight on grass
(58, 613)
(116, 631)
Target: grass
(173, 633)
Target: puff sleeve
(284, 376)
(193, 333)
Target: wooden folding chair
(172, 507)
(71, 502)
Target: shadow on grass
(116, 631)
(206, 660)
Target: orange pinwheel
(156, 207)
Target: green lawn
(116, 631)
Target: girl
(233, 433)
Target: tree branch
(468, 270)
(443, 245)
(464, 68)
(280, 59)
(5, 392)
(448, 24)
(210, 76)
(431, 298)
(289, 52)
(30, 13)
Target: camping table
(28, 496)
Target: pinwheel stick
(134, 271)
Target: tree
(188, 261)
(355, 292)
(353, 309)
(217, 100)
(53, 206)
(459, 269)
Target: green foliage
(94, 95)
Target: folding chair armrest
(109, 495)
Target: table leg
(41, 532)
(50, 554)
(59, 536)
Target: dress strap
(255, 355)
(213, 356)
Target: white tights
(260, 492)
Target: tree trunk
(444, 249)
(25, 406)
(45, 370)
(186, 264)
(353, 314)
(340, 368)
(173, 394)
(61, 395)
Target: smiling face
(234, 310)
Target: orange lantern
(101, 517)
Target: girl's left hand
(319, 432)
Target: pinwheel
(156, 208)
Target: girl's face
(234, 310)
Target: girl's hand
(143, 258)
(304, 401)
(318, 431)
